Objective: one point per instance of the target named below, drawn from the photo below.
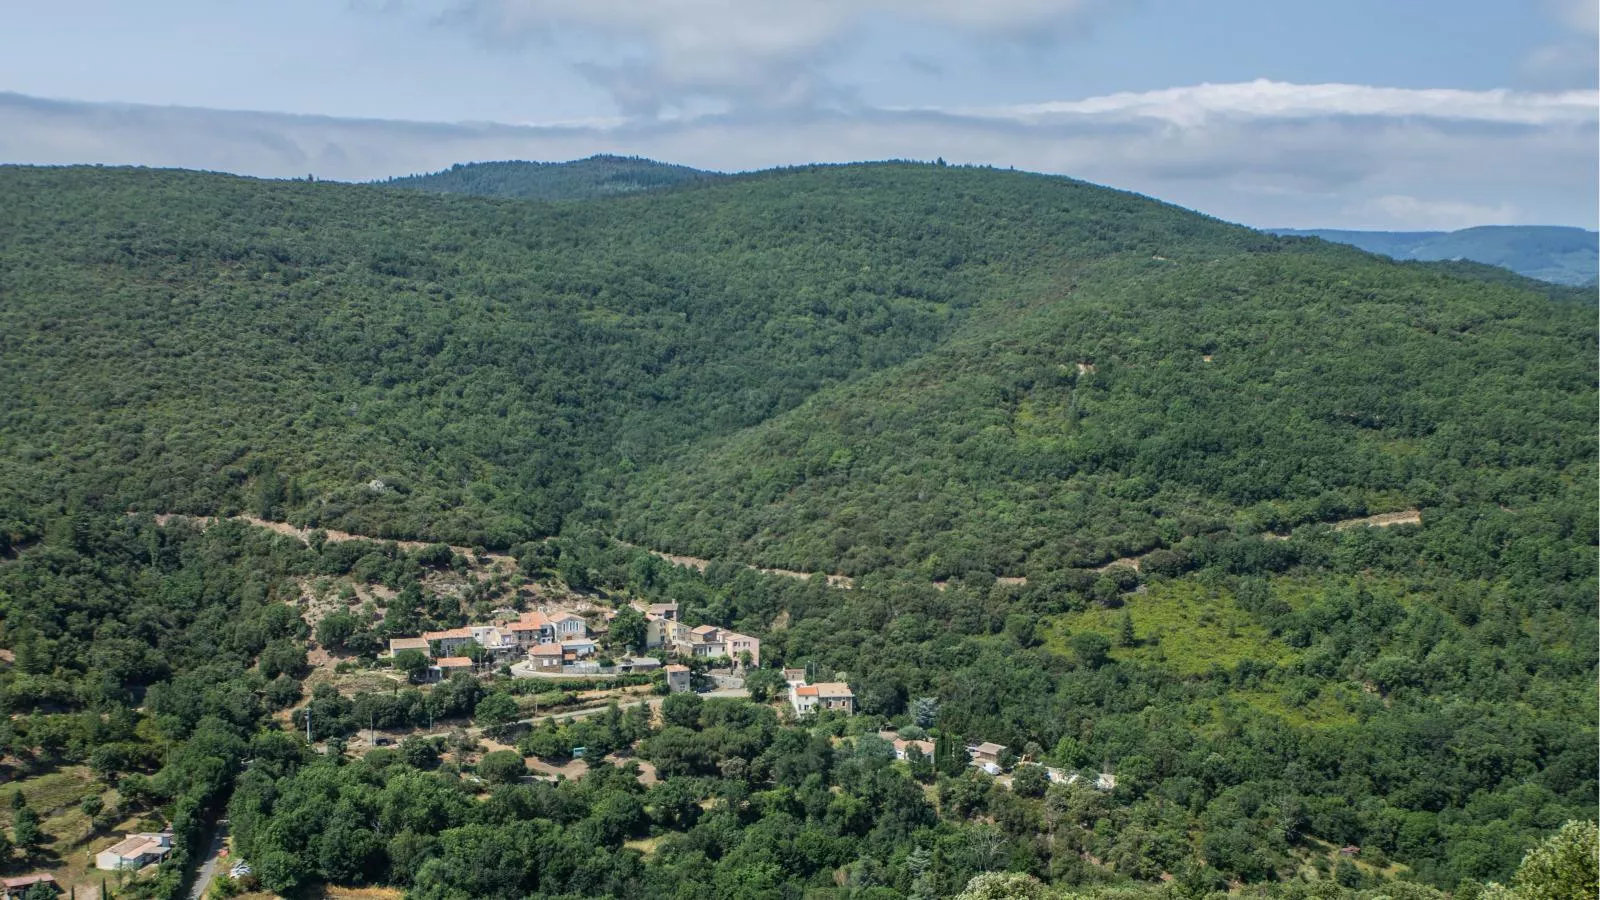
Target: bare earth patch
(1382, 520)
(572, 770)
(700, 564)
(494, 560)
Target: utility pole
(308, 723)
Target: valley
(1191, 561)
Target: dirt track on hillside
(699, 564)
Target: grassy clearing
(52, 792)
(1189, 628)
(1313, 850)
(646, 846)
(1334, 705)
(1181, 626)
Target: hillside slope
(1158, 399)
(407, 365)
(1555, 254)
(580, 179)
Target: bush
(501, 767)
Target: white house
(134, 852)
(831, 695)
(538, 627)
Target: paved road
(655, 703)
(526, 670)
(208, 869)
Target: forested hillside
(580, 179)
(1104, 472)
(1157, 399)
(409, 366)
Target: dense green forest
(1163, 399)
(969, 389)
(404, 365)
(580, 179)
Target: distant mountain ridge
(579, 179)
(1557, 254)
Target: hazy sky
(1358, 113)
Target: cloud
(737, 52)
(1582, 16)
(1433, 215)
(1263, 99)
(1264, 153)
(1575, 60)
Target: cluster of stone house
(548, 640)
(987, 756)
(664, 630)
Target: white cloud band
(1265, 153)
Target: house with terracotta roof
(986, 756)
(18, 885)
(659, 630)
(540, 627)
(445, 666)
(678, 679)
(711, 642)
(738, 645)
(546, 658)
(134, 852)
(903, 747)
(826, 695)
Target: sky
(1394, 114)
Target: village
(553, 641)
(570, 643)
(557, 642)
